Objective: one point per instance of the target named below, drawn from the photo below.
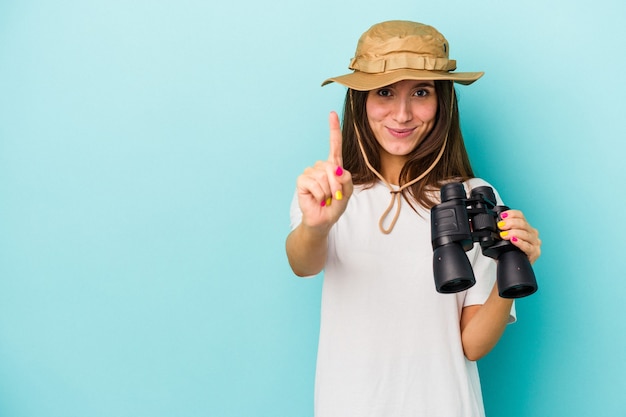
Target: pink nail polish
(504, 215)
(513, 239)
(339, 171)
(323, 203)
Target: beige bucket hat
(398, 50)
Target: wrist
(315, 232)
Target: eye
(422, 92)
(384, 92)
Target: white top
(389, 344)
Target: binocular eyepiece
(456, 223)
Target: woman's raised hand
(325, 188)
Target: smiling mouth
(400, 133)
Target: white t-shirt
(390, 345)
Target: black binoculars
(456, 223)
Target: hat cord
(395, 194)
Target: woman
(390, 345)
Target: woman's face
(401, 115)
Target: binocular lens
(516, 278)
(453, 271)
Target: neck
(391, 166)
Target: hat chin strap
(396, 195)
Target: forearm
(307, 249)
(483, 326)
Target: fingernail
(504, 215)
(329, 200)
(338, 195)
(323, 203)
(339, 173)
(504, 234)
(513, 239)
(501, 224)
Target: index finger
(335, 154)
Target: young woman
(390, 344)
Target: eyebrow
(419, 84)
(425, 84)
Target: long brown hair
(454, 162)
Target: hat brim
(363, 81)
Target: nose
(403, 112)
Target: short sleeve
(294, 212)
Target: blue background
(148, 156)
